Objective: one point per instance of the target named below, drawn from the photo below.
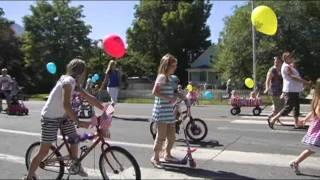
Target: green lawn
(38, 97)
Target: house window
(203, 76)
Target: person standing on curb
(112, 78)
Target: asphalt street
(238, 147)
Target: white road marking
(146, 173)
(278, 131)
(264, 117)
(243, 121)
(119, 116)
(229, 156)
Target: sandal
(156, 163)
(171, 159)
(295, 167)
(270, 124)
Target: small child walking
(312, 138)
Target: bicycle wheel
(117, 163)
(51, 167)
(153, 129)
(196, 129)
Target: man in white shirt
(292, 86)
(5, 86)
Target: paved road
(236, 146)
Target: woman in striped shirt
(163, 113)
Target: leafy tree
(160, 27)
(298, 22)
(10, 54)
(53, 32)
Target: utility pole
(253, 51)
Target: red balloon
(114, 46)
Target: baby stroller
(17, 107)
(82, 108)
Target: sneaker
(78, 169)
(295, 167)
(171, 159)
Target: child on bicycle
(312, 137)
(58, 108)
(163, 113)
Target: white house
(201, 70)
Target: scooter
(188, 157)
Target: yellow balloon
(189, 88)
(249, 83)
(264, 20)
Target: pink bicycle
(114, 163)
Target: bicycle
(111, 161)
(196, 129)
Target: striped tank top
(162, 108)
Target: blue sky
(109, 17)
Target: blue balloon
(52, 68)
(96, 76)
(208, 95)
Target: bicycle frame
(98, 139)
(187, 111)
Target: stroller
(82, 108)
(16, 107)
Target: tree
(53, 32)
(166, 26)
(10, 54)
(298, 22)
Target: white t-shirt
(161, 79)
(54, 105)
(290, 84)
(5, 82)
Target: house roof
(205, 60)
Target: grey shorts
(49, 129)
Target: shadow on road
(206, 144)
(132, 119)
(203, 173)
(309, 175)
(290, 127)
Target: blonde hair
(76, 67)
(166, 61)
(111, 63)
(316, 96)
